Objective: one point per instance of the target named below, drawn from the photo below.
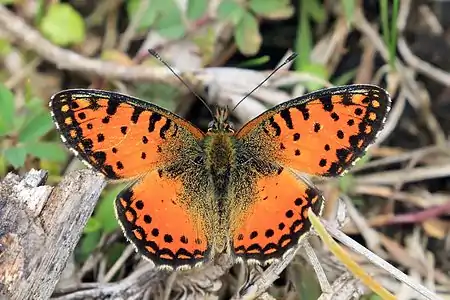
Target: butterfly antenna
(158, 57)
(288, 60)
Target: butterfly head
(220, 123)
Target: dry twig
(40, 227)
(17, 30)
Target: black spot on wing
(275, 126)
(327, 103)
(136, 113)
(111, 109)
(286, 116)
(175, 129)
(154, 118)
(100, 157)
(164, 128)
(304, 110)
(347, 99)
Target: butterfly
(196, 194)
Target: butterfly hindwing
(160, 215)
(276, 217)
(118, 135)
(321, 133)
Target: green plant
(164, 16)
(22, 132)
(254, 62)
(103, 221)
(310, 10)
(348, 6)
(63, 25)
(389, 29)
(244, 18)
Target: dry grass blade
(372, 257)
(346, 260)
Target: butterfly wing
(118, 135)
(273, 217)
(123, 138)
(321, 133)
(162, 216)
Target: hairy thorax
(220, 158)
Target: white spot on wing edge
(75, 152)
(87, 164)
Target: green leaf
(5, 47)
(160, 93)
(349, 9)
(345, 78)
(63, 25)
(229, 10)
(104, 212)
(169, 22)
(39, 125)
(346, 183)
(196, 9)
(16, 156)
(7, 1)
(6, 110)
(92, 225)
(35, 104)
(114, 252)
(316, 70)
(363, 160)
(40, 7)
(3, 166)
(254, 62)
(315, 10)
(51, 151)
(247, 35)
(87, 245)
(148, 17)
(272, 9)
(171, 27)
(164, 15)
(303, 44)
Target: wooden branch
(40, 227)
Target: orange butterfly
(196, 194)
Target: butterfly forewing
(118, 135)
(321, 133)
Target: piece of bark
(40, 227)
